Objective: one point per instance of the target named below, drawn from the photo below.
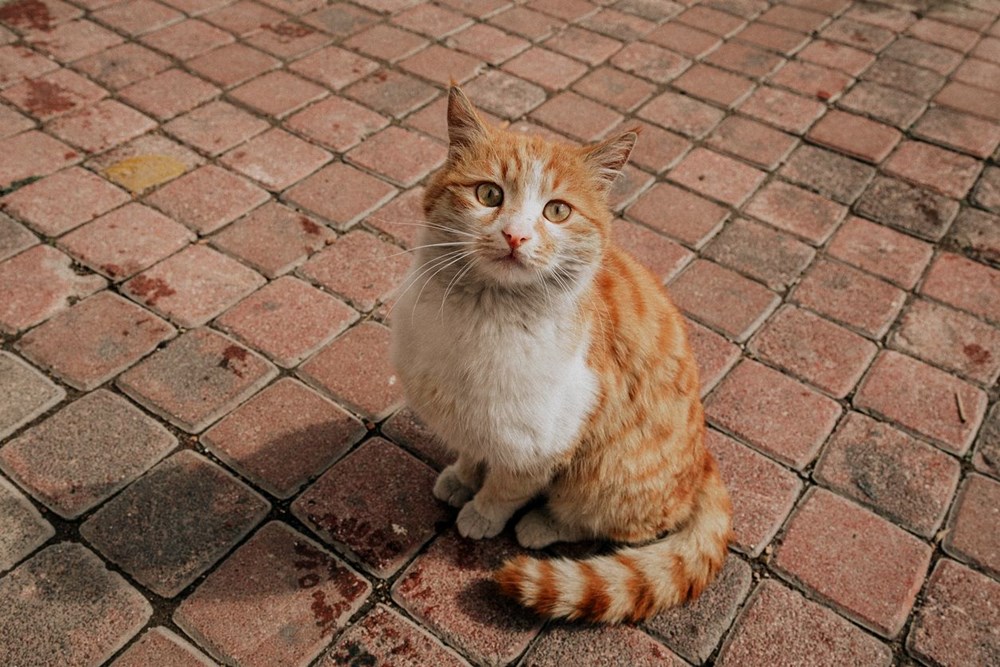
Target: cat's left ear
(608, 158)
(464, 125)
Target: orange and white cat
(554, 365)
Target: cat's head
(526, 209)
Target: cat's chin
(510, 270)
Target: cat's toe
(536, 530)
(475, 525)
(450, 488)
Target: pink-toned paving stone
(101, 126)
(796, 210)
(122, 65)
(850, 296)
(360, 267)
(723, 299)
(163, 513)
(277, 94)
(714, 85)
(682, 114)
(353, 123)
(868, 568)
(951, 339)
(715, 354)
(577, 116)
(287, 320)
(341, 194)
(14, 238)
(860, 35)
(780, 627)
(765, 254)
(711, 20)
(624, 26)
(196, 379)
(62, 201)
(830, 174)
(923, 399)
(125, 241)
(762, 492)
(695, 629)
(970, 99)
(432, 63)
(971, 536)
(340, 20)
(406, 429)
(187, 39)
(492, 45)
(899, 258)
(977, 234)
(333, 67)
(27, 17)
(811, 80)
(94, 340)
(159, 646)
(773, 38)
(816, 350)
(752, 141)
(745, 59)
(208, 198)
(19, 62)
(169, 93)
(525, 22)
(98, 608)
(355, 370)
(504, 95)
(137, 17)
(960, 131)
(785, 110)
(12, 122)
(254, 159)
(774, 413)
(283, 437)
(487, 627)
(273, 239)
(855, 136)
(288, 39)
(684, 39)
(546, 68)
(940, 170)
(956, 621)
(25, 393)
(658, 149)
(717, 176)
(216, 127)
(657, 253)
(37, 284)
(384, 637)
(883, 103)
(33, 154)
(645, 60)
(964, 284)
(845, 58)
(278, 579)
(678, 213)
(907, 207)
(435, 22)
(351, 507)
(599, 645)
(917, 81)
(392, 93)
(900, 477)
(403, 156)
(74, 40)
(987, 192)
(243, 18)
(54, 94)
(22, 528)
(193, 286)
(85, 453)
(233, 64)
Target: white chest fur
(494, 388)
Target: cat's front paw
(537, 530)
(475, 525)
(450, 488)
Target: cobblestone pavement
(204, 205)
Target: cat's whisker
(429, 225)
(434, 263)
(430, 278)
(429, 245)
(454, 281)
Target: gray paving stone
(85, 453)
(64, 608)
(22, 528)
(24, 393)
(175, 522)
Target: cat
(555, 366)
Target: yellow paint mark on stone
(144, 171)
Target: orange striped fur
(555, 365)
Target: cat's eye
(489, 194)
(556, 211)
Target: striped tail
(635, 582)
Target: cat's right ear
(464, 125)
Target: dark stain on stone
(289, 29)
(112, 270)
(150, 290)
(976, 354)
(355, 655)
(231, 357)
(27, 14)
(373, 545)
(381, 75)
(45, 97)
(308, 226)
(325, 614)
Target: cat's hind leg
(503, 493)
(459, 482)
(538, 529)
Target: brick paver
(204, 208)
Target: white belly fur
(497, 392)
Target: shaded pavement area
(204, 204)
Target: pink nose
(515, 240)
